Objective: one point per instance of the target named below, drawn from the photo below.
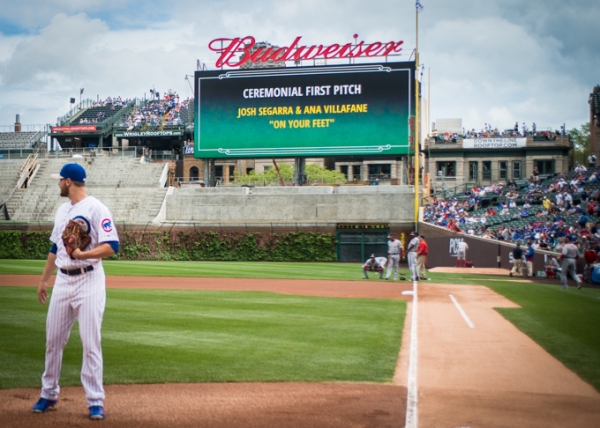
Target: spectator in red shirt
(453, 226)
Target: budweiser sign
(228, 50)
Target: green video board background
(361, 110)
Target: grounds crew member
(517, 260)
(529, 253)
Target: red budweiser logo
(230, 48)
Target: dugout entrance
(356, 242)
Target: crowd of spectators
(159, 112)
(100, 109)
(112, 102)
(490, 132)
(562, 206)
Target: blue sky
(497, 61)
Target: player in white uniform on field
(461, 253)
(375, 264)
(569, 254)
(411, 256)
(79, 290)
(394, 251)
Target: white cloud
(501, 73)
(496, 61)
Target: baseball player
(568, 256)
(374, 264)
(411, 255)
(79, 289)
(394, 250)
(461, 253)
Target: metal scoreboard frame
(340, 110)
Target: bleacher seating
(17, 140)
(95, 115)
(159, 112)
(187, 113)
(538, 220)
(9, 175)
(129, 189)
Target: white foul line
(464, 315)
(412, 396)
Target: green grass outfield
(198, 336)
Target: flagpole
(416, 136)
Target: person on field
(569, 254)
(422, 252)
(374, 264)
(79, 292)
(394, 253)
(517, 260)
(529, 253)
(590, 256)
(411, 256)
(461, 253)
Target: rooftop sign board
(494, 143)
(73, 129)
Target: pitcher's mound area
(233, 405)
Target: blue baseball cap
(73, 171)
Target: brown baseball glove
(75, 237)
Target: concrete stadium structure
(137, 193)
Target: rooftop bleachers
(168, 111)
(96, 115)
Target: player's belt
(394, 254)
(77, 271)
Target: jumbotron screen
(351, 110)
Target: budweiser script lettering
(229, 48)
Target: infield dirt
(491, 375)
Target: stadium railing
(73, 112)
(85, 152)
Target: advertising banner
(71, 129)
(133, 134)
(361, 109)
(494, 143)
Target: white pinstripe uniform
(80, 297)
(394, 250)
(411, 256)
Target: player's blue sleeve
(114, 245)
(53, 249)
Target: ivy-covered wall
(191, 244)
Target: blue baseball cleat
(43, 405)
(96, 412)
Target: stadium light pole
(416, 132)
